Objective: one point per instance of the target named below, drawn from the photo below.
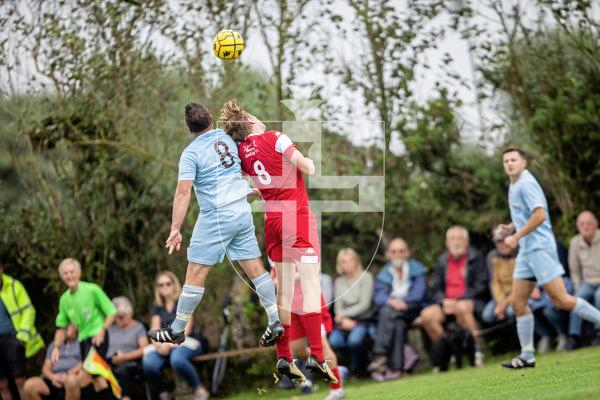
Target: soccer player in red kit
(291, 237)
(300, 347)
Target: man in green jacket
(18, 337)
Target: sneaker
(164, 396)
(320, 370)
(272, 333)
(201, 394)
(392, 375)
(479, 357)
(166, 335)
(561, 342)
(336, 394)
(378, 376)
(289, 369)
(379, 364)
(543, 345)
(572, 343)
(518, 362)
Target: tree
(546, 64)
(393, 37)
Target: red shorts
(283, 244)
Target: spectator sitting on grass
(127, 341)
(51, 385)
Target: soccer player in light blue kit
(537, 259)
(210, 164)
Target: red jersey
(266, 158)
(455, 277)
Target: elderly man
(400, 290)
(584, 264)
(86, 306)
(459, 289)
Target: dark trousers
(391, 333)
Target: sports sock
(586, 311)
(188, 300)
(525, 333)
(338, 385)
(312, 327)
(266, 293)
(282, 345)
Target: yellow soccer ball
(228, 45)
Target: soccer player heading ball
(210, 164)
(291, 237)
(537, 259)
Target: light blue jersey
(212, 162)
(524, 196)
(225, 223)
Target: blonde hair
(235, 121)
(347, 252)
(159, 301)
(68, 261)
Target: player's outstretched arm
(304, 164)
(181, 201)
(537, 217)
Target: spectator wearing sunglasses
(167, 290)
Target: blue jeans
(590, 293)
(550, 321)
(342, 341)
(488, 316)
(180, 360)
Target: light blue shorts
(540, 264)
(226, 230)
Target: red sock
(313, 334)
(283, 344)
(337, 375)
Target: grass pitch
(573, 375)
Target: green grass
(574, 375)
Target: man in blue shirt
(538, 257)
(211, 165)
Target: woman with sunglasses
(167, 290)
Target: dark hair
(197, 117)
(518, 150)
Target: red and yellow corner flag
(95, 365)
